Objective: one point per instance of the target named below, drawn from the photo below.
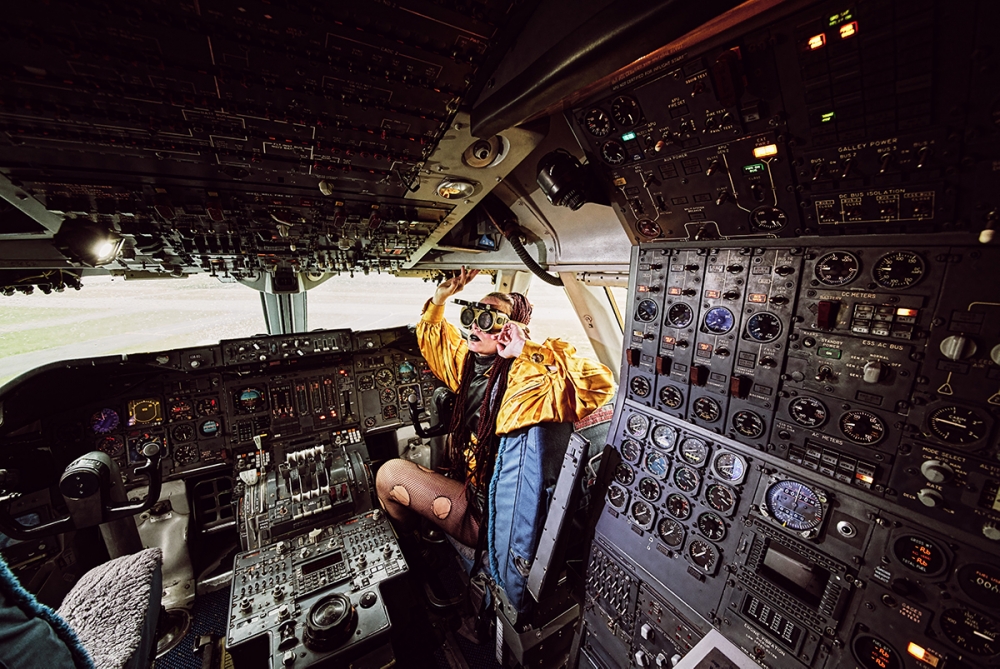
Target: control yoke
(92, 487)
(443, 402)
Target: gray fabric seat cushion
(108, 607)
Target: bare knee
(441, 506)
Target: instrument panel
(210, 413)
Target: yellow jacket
(547, 382)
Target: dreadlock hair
(487, 441)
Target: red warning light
(849, 30)
(817, 42)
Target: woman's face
(481, 342)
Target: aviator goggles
(487, 318)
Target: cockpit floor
(208, 617)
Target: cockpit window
(114, 316)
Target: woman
(504, 383)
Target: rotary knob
(641, 659)
(957, 347)
(991, 531)
(646, 632)
(936, 471)
(930, 497)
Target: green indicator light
(753, 168)
(843, 16)
(627, 136)
(827, 352)
(827, 117)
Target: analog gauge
(387, 395)
(631, 450)
(862, 427)
(182, 433)
(920, 555)
(145, 412)
(748, 424)
(671, 532)
(210, 428)
(971, 631)
(837, 268)
(679, 315)
(703, 555)
(665, 437)
(768, 218)
(104, 421)
(694, 451)
(207, 406)
(138, 441)
(649, 489)
(180, 410)
(795, 505)
(624, 474)
(642, 513)
(763, 327)
(113, 445)
(637, 425)
(390, 411)
(617, 497)
(250, 400)
(366, 382)
(729, 467)
(185, 455)
(686, 479)
(873, 653)
(597, 122)
(625, 111)
(807, 411)
(407, 372)
(384, 377)
(640, 386)
(646, 311)
(648, 228)
(981, 582)
(657, 465)
(711, 526)
(898, 270)
(707, 409)
(719, 320)
(957, 425)
(720, 497)
(671, 396)
(678, 506)
(613, 152)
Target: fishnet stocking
(405, 488)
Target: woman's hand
(453, 285)
(510, 341)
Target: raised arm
(441, 343)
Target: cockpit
(773, 222)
